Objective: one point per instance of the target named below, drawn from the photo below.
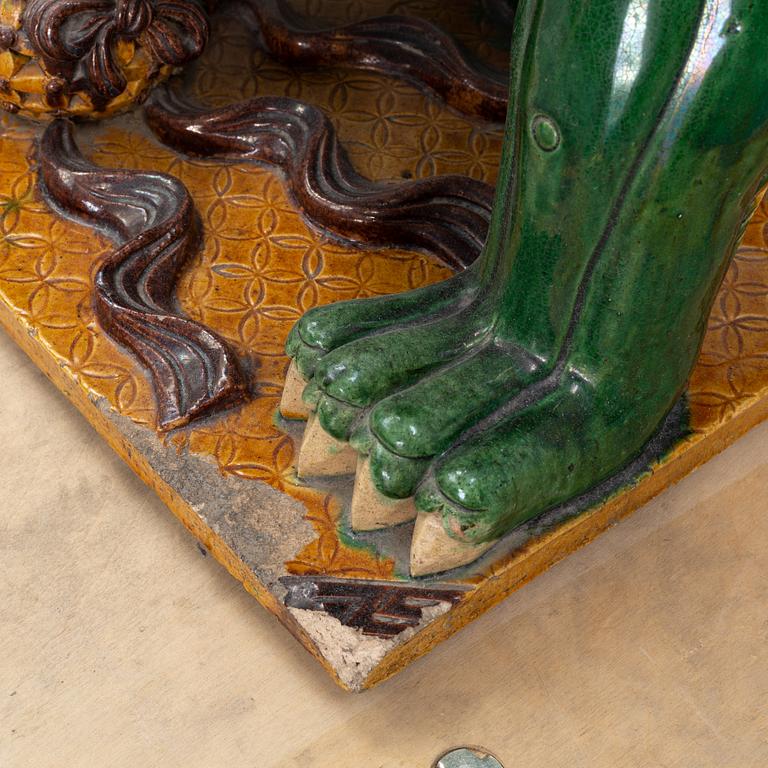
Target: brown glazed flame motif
(378, 608)
(152, 215)
(448, 216)
(403, 46)
(77, 39)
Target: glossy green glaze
(634, 150)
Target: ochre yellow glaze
(261, 266)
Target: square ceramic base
(255, 531)
(230, 478)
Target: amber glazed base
(230, 477)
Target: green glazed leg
(637, 143)
(323, 329)
(638, 330)
(528, 276)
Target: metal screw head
(468, 757)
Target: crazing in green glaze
(635, 146)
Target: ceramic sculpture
(154, 264)
(635, 148)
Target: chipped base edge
(530, 561)
(340, 643)
(107, 424)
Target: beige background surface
(123, 645)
